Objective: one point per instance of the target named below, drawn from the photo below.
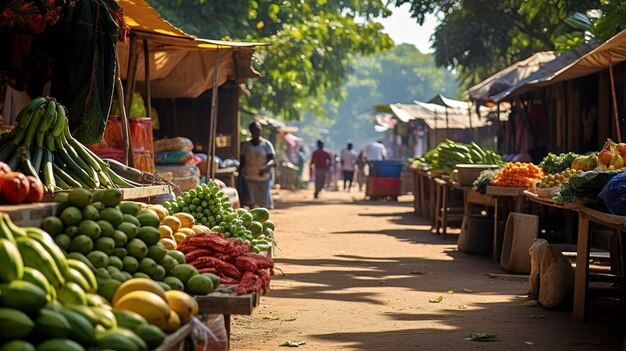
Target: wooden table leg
(432, 199)
(496, 214)
(416, 194)
(227, 325)
(467, 207)
(582, 269)
(424, 197)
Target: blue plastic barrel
(386, 168)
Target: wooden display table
(417, 192)
(583, 248)
(472, 198)
(503, 196)
(139, 193)
(225, 301)
(29, 215)
(26, 215)
(581, 286)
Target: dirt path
(359, 275)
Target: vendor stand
(506, 200)
(586, 216)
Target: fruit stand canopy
(460, 114)
(589, 61)
(509, 76)
(181, 65)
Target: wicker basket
(547, 192)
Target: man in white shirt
(257, 159)
(375, 151)
(348, 158)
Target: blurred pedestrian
(375, 151)
(257, 160)
(320, 162)
(360, 164)
(348, 159)
(301, 159)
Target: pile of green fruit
(49, 302)
(118, 241)
(445, 157)
(553, 163)
(212, 208)
(557, 179)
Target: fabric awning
(434, 115)
(181, 65)
(145, 20)
(571, 64)
(444, 101)
(509, 76)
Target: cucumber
(47, 173)
(124, 171)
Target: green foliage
(481, 37)
(400, 75)
(311, 43)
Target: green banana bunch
(448, 154)
(41, 146)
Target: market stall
(91, 269)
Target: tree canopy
(311, 43)
(401, 75)
(480, 37)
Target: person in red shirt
(320, 161)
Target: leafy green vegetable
(584, 187)
(292, 343)
(484, 179)
(436, 300)
(557, 163)
(483, 337)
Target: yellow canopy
(143, 19)
(181, 65)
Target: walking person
(375, 151)
(360, 170)
(348, 159)
(257, 160)
(301, 159)
(320, 161)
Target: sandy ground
(358, 275)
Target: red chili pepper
(246, 263)
(228, 280)
(195, 254)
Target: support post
(617, 126)
(128, 155)
(213, 118)
(146, 65)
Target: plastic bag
(179, 157)
(614, 195)
(173, 144)
(214, 336)
(179, 171)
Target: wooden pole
(131, 75)
(617, 126)
(213, 118)
(146, 65)
(123, 118)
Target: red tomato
(35, 191)
(14, 187)
(4, 168)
